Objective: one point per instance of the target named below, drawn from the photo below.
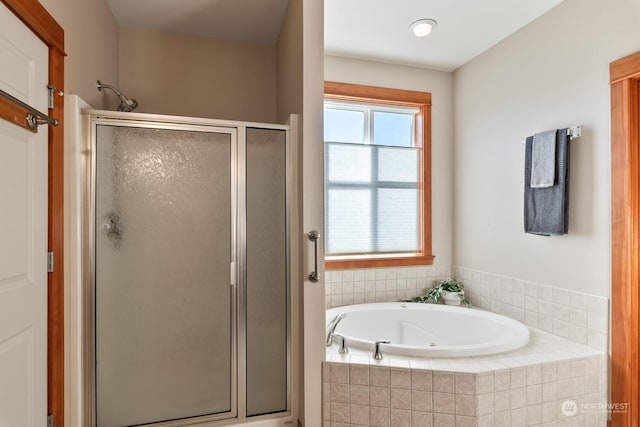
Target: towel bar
(34, 117)
(572, 132)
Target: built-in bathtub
(548, 381)
(429, 330)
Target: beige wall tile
(486, 421)
(443, 420)
(518, 398)
(465, 421)
(400, 399)
(549, 411)
(502, 380)
(502, 419)
(380, 417)
(359, 374)
(339, 393)
(443, 382)
(421, 380)
(485, 404)
(340, 412)
(534, 415)
(534, 374)
(326, 371)
(421, 401)
(359, 394)
(519, 417)
(465, 383)
(340, 373)
(380, 396)
(502, 401)
(534, 394)
(549, 372)
(421, 419)
(465, 405)
(400, 418)
(360, 414)
(518, 377)
(326, 392)
(549, 392)
(401, 378)
(379, 376)
(443, 403)
(485, 383)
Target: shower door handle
(314, 236)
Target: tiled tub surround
(579, 317)
(359, 286)
(526, 387)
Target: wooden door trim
(625, 68)
(625, 238)
(43, 25)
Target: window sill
(343, 264)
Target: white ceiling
(248, 21)
(379, 29)
(366, 29)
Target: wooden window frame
(45, 27)
(421, 100)
(624, 77)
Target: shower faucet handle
(378, 354)
(342, 343)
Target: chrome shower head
(126, 104)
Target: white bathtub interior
(428, 330)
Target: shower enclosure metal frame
(93, 118)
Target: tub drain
(432, 344)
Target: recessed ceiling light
(423, 27)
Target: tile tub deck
(551, 381)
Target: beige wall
(91, 44)
(553, 73)
(439, 84)
(289, 63)
(192, 76)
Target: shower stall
(186, 270)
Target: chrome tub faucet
(331, 328)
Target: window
(377, 176)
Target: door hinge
(50, 421)
(49, 262)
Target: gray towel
(543, 159)
(546, 210)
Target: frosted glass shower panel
(163, 298)
(267, 304)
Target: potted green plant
(450, 291)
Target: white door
(23, 232)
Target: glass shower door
(164, 243)
(267, 286)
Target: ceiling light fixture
(423, 27)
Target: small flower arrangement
(450, 291)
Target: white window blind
(372, 180)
